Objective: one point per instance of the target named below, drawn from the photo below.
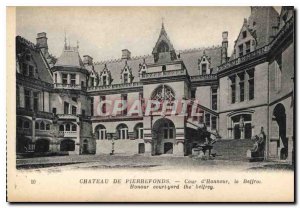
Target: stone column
(180, 147)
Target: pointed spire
(77, 44)
(65, 40)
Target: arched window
(68, 127)
(139, 131)
(101, 132)
(163, 47)
(37, 125)
(61, 127)
(42, 125)
(122, 131)
(47, 126)
(74, 127)
(164, 94)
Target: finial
(162, 23)
(77, 44)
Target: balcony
(164, 74)
(115, 86)
(206, 77)
(250, 56)
(68, 86)
(67, 116)
(67, 134)
(39, 132)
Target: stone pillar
(180, 147)
(148, 147)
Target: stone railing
(249, 56)
(204, 77)
(162, 74)
(67, 133)
(68, 86)
(66, 116)
(115, 86)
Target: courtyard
(98, 162)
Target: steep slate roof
(25, 46)
(163, 36)
(189, 57)
(69, 58)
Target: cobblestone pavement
(59, 163)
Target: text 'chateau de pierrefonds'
(239, 94)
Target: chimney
(126, 54)
(41, 42)
(87, 60)
(224, 47)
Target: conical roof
(70, 58)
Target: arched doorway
(280, 118)
(67, 145)
(42, 145)
(163, 135)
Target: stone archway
(280, 118)
(67, 145)
(163, 132)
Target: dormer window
(241, 50)
(247, 47)
(244, 34)
(73, 79)
(64, 79)
(104, 80)
(204, 65)
(204, 68)
(125, 78)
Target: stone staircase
(232, 149)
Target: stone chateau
(57, 99)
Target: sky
(102, 32)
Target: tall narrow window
(204, 68)
(74, 110)
(103, 104)
(164, 68)
(104, 80)
(233, 89)
(64, 79)
(241, 50)
(244, 34)
(92, 81)
(247, 47)
(193, 93)
(73, 79)
(31, 71)
(251, 84)
(213, 122)
(242, 87)
(27, 99)
(92, 106)
(35, 101)
(207, 119)
(124, 101)
(55, 78)
(125, 78)
(214, 98)
(66, 108)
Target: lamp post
(112, 144)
